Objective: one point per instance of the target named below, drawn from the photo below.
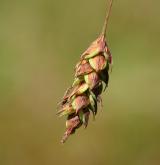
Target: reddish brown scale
(83, 68)
(80, 102)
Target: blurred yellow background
(40, 43)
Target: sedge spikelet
(90, 80)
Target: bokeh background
(40, 43)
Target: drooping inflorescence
(90, 80)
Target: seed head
(91, 78)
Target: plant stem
(104, 30)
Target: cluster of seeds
(91, 79)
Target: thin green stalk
(104, 30)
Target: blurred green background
(40, 43)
